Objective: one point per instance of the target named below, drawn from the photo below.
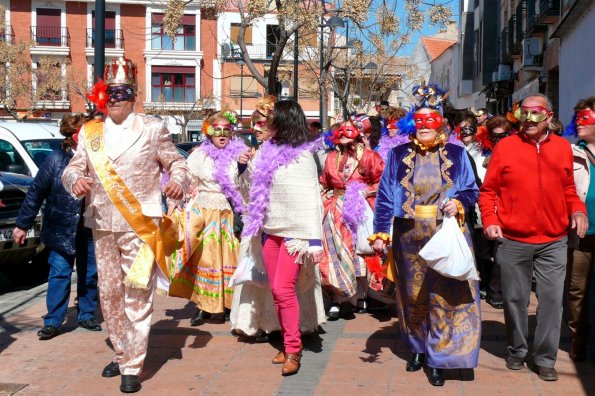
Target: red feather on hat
(98, 95)
(483, 138)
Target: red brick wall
(76, 22)
(208, 45)
(132, 22)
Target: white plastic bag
(364, 230)
(448, 254)
(250, 268)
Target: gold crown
(120, 71)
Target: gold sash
(129, 207)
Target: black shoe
(47, 332)
(435, 376)
(111, 370)
(515, 363)
(334, 314)
(226, 314)
(91, 324)
(416, 361)
(199, 318)
(496, 303)
(547, 373)
(130, 384)
(362, 306)
(483, 294)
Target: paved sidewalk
(361, 356)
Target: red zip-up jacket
(529, 189)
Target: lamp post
(241, 63)
(332, 23)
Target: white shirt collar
(127, 124)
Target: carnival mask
(585, 117)
(218, 130)
(467, 131)
(534, 114)
(496, 137)
(120, 93)
(349, 131)
(261, 125)
(428, 120)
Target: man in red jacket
(528, 201)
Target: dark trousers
(580, 269)
(518, 261)
(489, 271)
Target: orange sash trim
(129, 207)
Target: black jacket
(61, 213)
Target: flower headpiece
(98, 95)
(231, 117)
(512, 115)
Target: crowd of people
(303, 226)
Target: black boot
(130, 384)
(362, 306)
(436, 376)
(416, 361)
(226, 314)
(199, 318)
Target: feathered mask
(98, 95)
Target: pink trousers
(283, 274)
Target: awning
(526, 90)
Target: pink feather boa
(354, 206)
(223, 159)
(270, 158)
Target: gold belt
(426, 211)
(338, 192)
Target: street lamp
(332, 23)
(241, 63)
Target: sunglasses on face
(428, 120)
(120, 93)
(532, 114)
(219, 130)
(585, 117)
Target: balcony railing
(549, 10)
(504, 52)
(50, 36)
(7, 34)
(258, 51)
(113, 38)
(534, 26)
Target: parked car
(15, 259)
(187, 147)
(23, 148)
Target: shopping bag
(364, 230)
(250, 268)
(448, 254)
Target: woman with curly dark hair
(64, 234)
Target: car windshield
(41, 148)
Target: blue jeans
(58, 294)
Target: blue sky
(428, 30)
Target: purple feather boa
(354, 206)
(271, 157)
(386, 143)
(223, 159)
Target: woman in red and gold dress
(349, 179)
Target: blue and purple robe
(439, 316)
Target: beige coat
(139, 164)
(582, 174)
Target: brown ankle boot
(291, 364)
(279, 358)
(578, 349)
